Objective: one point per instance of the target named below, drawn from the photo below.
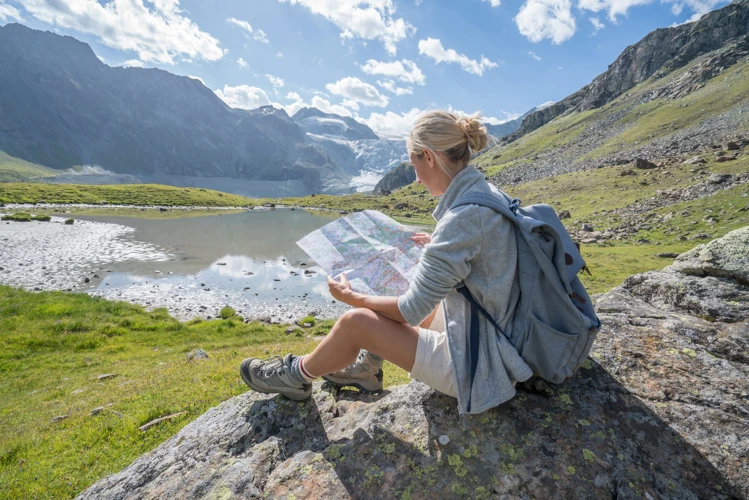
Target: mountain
(353, 145)
(62, 107)
(402, 175)
(656, 55)
(315, 121)
(508, 127)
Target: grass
(24, 217)
(54, 346)
(121, 194)
(16, 170)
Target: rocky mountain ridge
(62, 107)
(660, 410)
(657, 54)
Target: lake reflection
(249, 261)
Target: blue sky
(380, 61)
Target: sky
(380, 61)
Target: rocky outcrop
(659, 53)
(660, 410)
(402, 175)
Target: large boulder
(661, 410)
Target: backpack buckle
(514, 205)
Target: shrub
(69, 222)
(227, 312)
(19, 217)
(41, 218)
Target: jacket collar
(461, 183)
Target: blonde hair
(457, 137)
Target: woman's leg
(363, 329)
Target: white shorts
(433, 364)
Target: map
(376, 252)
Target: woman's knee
(357, 317)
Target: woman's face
(429, 173)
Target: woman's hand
(422, 238)
(341, 291)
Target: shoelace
(271, 365)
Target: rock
(106, 376)
(587, 227)
(695, 160)
(86, 280)
(644, 164)
(402, 175)
(660, 410)
(701, 236)
(197, 354)
(162, 209)
(724, 158)
(627, 172)
(733, 146)
(97, 410)
(59, 418)
(667, 255)
(564, 214)
(719, 178)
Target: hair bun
(476, 134)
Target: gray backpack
(555, 323)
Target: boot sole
(248, 382)
(358, 386)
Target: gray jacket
(475, 245)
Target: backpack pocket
(547, 350)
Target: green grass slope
(16, 170)
(53, 347)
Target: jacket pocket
(547, 350)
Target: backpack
(555, 323)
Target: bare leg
(363, 329)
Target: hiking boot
(364, 374)
(273, 375)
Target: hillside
(63, 108)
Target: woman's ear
(429, 157)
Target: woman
(425, 331)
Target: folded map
(375, 252)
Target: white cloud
(491, 120)
(534, 55)
(552, 19)
(495, 3)
(275, 81)
(433, 48)
(326, 107)
(132, 63)
(366, 19)
(616, 8)
(243, 96)
(597, 25)
(261, 37)
(240, 24)
(350, 104)
(9, 13)
(158, 31)
(242, 63)
(404, 70)
(392, 87)
(392, 125)
(359, 91)
(280, 55)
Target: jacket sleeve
(445, 262)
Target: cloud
(597, 25)
(242, 63)
(157, 31)
(243, 96)
(275, 81)
(534, 55)
(280, 55)
(491, 120)
(495, 3)
(261, 37)
(132, 63)
(392, 87)
(350, 104)
(433, 48)
(359, 91)
(552, 19)
(392, 125)
(197, 78)
(404, 70)
(9, 13)
(616, 8)
(240, 24)
(366, 19)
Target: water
(249, 261)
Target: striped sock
(308, 378)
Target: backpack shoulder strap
(502, 204)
